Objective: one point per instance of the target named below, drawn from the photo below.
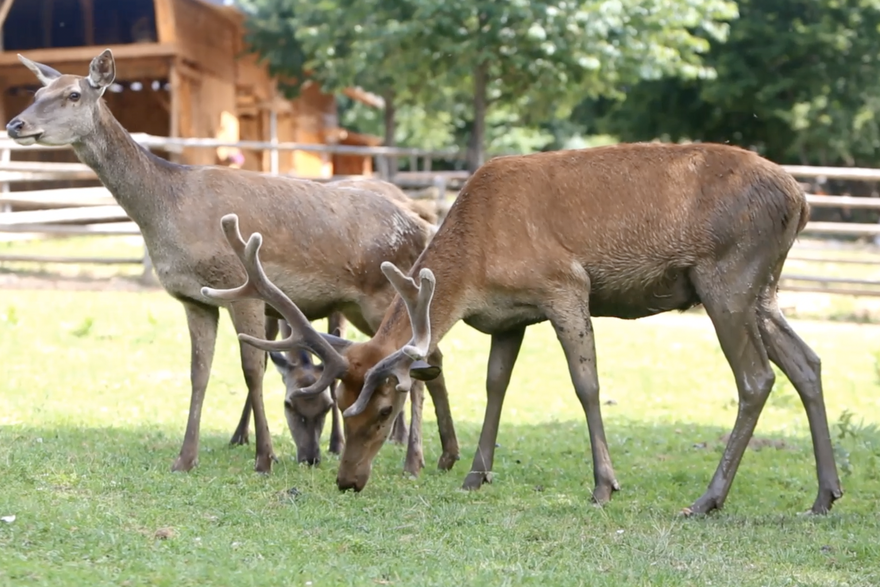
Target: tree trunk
(390, 129)
(476, 145)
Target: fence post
(273, 138)
(5, 157)
(382, 167)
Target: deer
(626, 231)
(328, 243)
(306, 415)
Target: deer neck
(126, 169)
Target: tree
(339, 44)
(799, 80)
(540, 57)
(535, 59)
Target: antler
(258, 286)
(418, 303)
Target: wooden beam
(4, 12)
(88, 10)
(85, 214)
(59, 198)
(165, 23)
(148, 68)
(86, 54)
(90, 229)
(76, 260)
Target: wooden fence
(93, 211)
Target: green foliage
(797, 79)
(532, 60)
(86, 446)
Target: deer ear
(102, 71)
(44, 73)
(280, 361)
(423, 371)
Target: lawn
(94, 391)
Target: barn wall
(207, 38)
(202, 99)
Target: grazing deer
(326, 248)
(627, 231)
(305, 415)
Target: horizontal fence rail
(94, 211)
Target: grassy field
(93, 398)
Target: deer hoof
(414, 465)
(240, 438)
(701, 507)
(184, 464)
(263, 463)
(447, 461)
(602, 493)
(476, 479)
(825, 500)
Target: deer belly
(674, 291)
(501, 313)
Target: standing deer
(325, 254)
(627, 231)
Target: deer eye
(385, 412)
(74, 97)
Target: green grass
(94, 393)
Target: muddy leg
(733, 310)
(247, 316)
(803, 368)
(502, 356)
(241, 435)
(202, 323)
(415, 457)
(440, 398)
(574, 329)
(336, 325)
(399, 433)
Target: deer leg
(803, 368)
(241, 435)
(336, 325)
(437, 389)
(202, 323)
(734, 316)
(574, 329)
(415, 456)
(399, 432)
(502, 356)
(247, 316)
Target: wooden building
(181, 71)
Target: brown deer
(326, 248)
(627, 231)
(305, 415)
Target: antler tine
(420, 317)
(258, 286)
(229, 224)
(418, 303)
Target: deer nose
(14, 127)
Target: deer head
(373, 382)
(66, 107)
(305, 414)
